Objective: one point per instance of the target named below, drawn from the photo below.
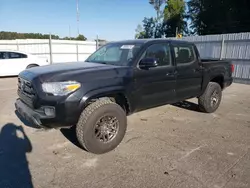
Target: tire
(210, 100)
(86, 132)
(32, 65)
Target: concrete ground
(169, 146)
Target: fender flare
(32, 65)
(209, 78)
(100, 93)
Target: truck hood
(66, 71)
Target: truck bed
(213, 66)
(215, 63)
(209, 60)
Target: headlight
(60, 88)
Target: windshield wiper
(100, 62)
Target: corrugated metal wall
(233, 47)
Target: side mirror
(148, 63)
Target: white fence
(233, 47)
(56, 51)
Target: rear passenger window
(14, 55)
(184, 54)
(161, 52)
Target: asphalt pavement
(170, 146)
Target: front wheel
(31, 66)
(210, 100)
(101, 126)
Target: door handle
(170, 73)
(197, 70)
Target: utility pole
(77, 16)
(69, 33)
(97, 42)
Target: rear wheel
(101, 126)
(210, 100)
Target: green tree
(219, 16)
(81, 37)
(195, 13)
(139, 33)
(148, 29)
(149, 26)
(6, 35)
(66, 38)
(152, 27)
(158, 21)
(204, 15)
(157, 4)
(167, 20)
(174, 18)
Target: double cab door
(188, 71)
(177, 76)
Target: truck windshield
(115, 54)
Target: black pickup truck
(119, 79)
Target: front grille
(26, 92)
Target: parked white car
(13, 62)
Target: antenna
(69, 33)
(77, 17)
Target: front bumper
(39, 118)
(28, 114)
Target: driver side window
(161, 52)
(4, 55)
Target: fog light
(49, 111)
